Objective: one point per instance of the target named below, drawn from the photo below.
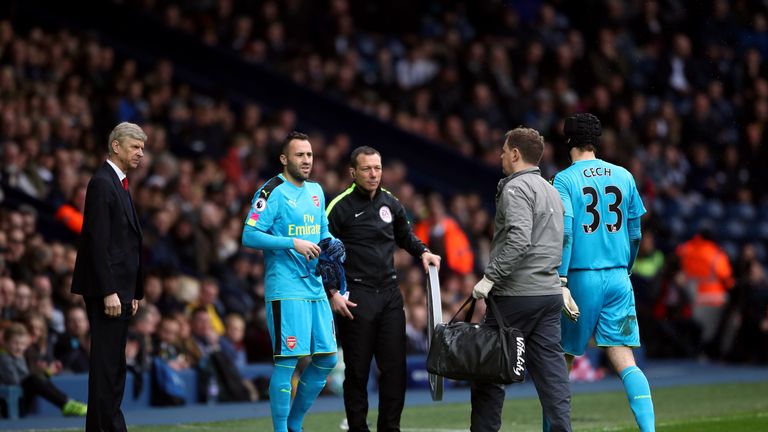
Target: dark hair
(15, 329)
(583, 130)
(197, 310)
(292, 136)
(366, 150)
(528, 141)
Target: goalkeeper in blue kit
(601, 239)
(287, 221)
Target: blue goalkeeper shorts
(301, 327)
(607, 307)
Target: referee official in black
(370, 222)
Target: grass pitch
(704, 408)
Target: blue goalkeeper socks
(280, 391)
(311, 383)
(639, 396)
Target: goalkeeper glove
(334, 249)
(570, 308)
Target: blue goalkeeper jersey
(280, 212)
(599, 197)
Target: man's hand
(428, 258)
(482, 288)
(570, 308)
(340, 305)
(134, 307)
(306, 248)
(112, 305)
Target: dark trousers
(378, 331)
(106, 375)
(39, 385)
(539, 320)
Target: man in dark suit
(108, 274)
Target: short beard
(294, 171)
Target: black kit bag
(463, 350)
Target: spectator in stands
(744, 328)
(708, 273)
(258, 344)
(205, 337)
(39, 355)
(232, 340)
(139, 345)
(7, 293)
(22, 301)
(15, 371)
(416, 329)
(646, 275)
(167, 344)
(209, 300)
(443, 233)
(14, 258)
(74, 346)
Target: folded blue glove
(334, 249)
(329, 266)
(326, 270)
(332, 274)
(342, 278)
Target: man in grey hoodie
(522, 278)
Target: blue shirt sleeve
(567, 246)
(261, 216)
(636, 207)
(561, 185)
(324, 232)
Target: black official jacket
(370, 228)
(109, 248)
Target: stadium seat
(759, 230)
(732, 249)
(760, 251)
(700, 222)
(11, 395)
(740, 211)
(677, 227)
(714, 209)
(762, 212)
(733, 229)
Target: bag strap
(468, 317)
(496, 313)
(471, 302)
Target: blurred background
(681, 88)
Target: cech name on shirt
(596, 172)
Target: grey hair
(125, 130)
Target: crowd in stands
(682, 94)
(681, 90)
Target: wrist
(424, 252)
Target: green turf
(727, 407)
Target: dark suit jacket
(108, 253)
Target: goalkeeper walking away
(601, 239)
